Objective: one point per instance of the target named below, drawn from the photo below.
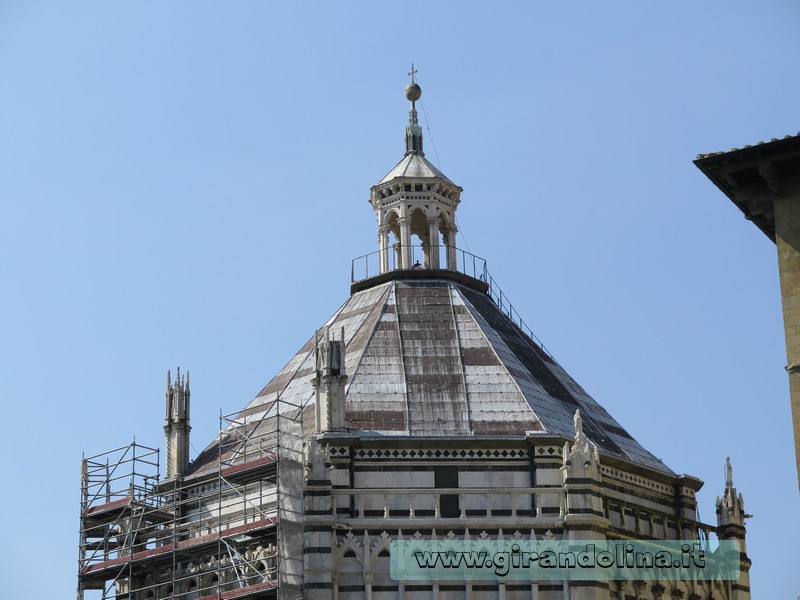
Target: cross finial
(413, 72)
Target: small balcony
(419, 258)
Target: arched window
(192, 592)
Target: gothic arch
(418, 215)
(383, 544)
(391, 218)
(445, 220)
(349, 544)
(209, 582)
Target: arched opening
(350, 570)
(447, 242)
(213, 585)
(192, 593)
(389, 242)
(419, 251)
(381, 570)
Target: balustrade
(421, 503)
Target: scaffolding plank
(106, 507)
(109, 511)
(253, 469)
(100, 569)
(249, 591)
(102, 545)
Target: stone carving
(582, 460)
(315, 458)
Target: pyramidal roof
(414, 165)
(428, 353)
(436, 357)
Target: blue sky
(185, 183)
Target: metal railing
(369, 265)
(128, 472)
(503, 303)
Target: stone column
(446, 240)
(405, 243)
(450, 240)
(383, 247)
(433, 243)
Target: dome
(437, 357)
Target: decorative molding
(548, 451)
(625, 477)
(441, 453)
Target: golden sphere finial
(413, 91)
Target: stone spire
(329, 383)
(176, 424)
(731, 526)
(730, 508)
(413, 130)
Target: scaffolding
(231, 532)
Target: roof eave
(728, 170)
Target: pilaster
(584, 518)
(787, 237)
